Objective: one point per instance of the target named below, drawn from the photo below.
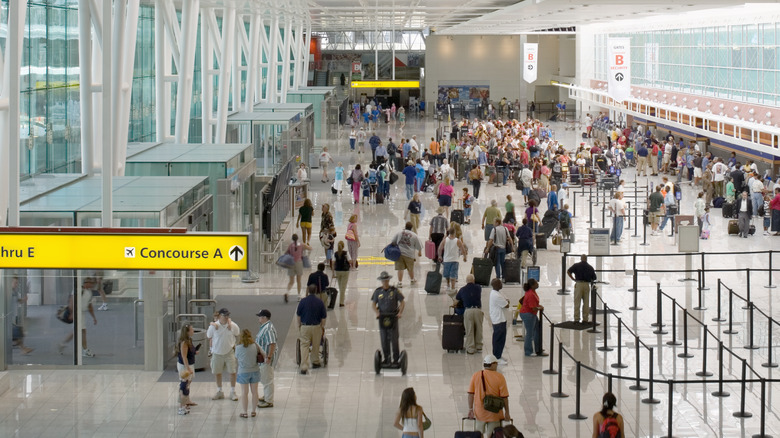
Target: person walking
(266, 339)
(488, 382)
(501, 238)
(223, 333)
(295, 273)
(410, 175)
(437, 230)
(618, 209)
(449, 251)
(654, 204)
(470, 296)
(670, 207)
(357, 177)
(248, 371)
(475, 177)
(409, 418)
(305, 214)
(532, 343)
(413, 210)
(607, 420)
(311, 315)
(409, 244)
(325, 159)
(87, 312)
(583, 275)
(388, 304)
(744, 209)
(353, 240)
(774, 206)
(489, 218)
(341, 265)
(185, 353)
(525, 242)
(498, 302)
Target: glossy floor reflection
(347, 399)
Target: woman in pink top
(353, 241)
(544, 179)
(445, 196)
(296, 249)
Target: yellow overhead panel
(160, 252)
(385, 84)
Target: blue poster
(463, 93)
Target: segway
(387, 320)
(324, 350)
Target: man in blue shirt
(381, 153)
(410, 173)
(407, 148)
(471, 297)
(374, 142)
(552, 198)
(311, 315)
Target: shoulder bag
(260, 356)
(491, 403)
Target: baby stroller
(431, 178)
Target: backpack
(610, 428)
(556, 167)
(655, 149)
(372, 176)
(392, 149)
(564, 219)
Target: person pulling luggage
(388, 303)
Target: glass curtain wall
(738, 62)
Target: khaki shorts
(655, 217)
(220, 362)
(404, 263)
(697, 172)
(297, 269)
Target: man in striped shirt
(266, 338)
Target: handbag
(392, 252)
(556, 239)
(426, 422)
(491, 403)
(260, 356)
(285, 261)
(350, 234)
(63, 314)
(306, 261)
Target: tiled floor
(347, 399)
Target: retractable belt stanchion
(685, 354)
(731, 330)
(769, 363)
(700, 293)
(638, 385)
(562, 290)
(751, 345)
(670, 408)
(703, 285)
(658, 324)
(762, 433)
(560, 393)
(619, 364)
(747, 293)
(770, 285)
(644, 230)
(720, 392)
(674, 340)
(650, 400)
(719, 318)
(551, 370)
(629, 215)
(604, 347)
(704, 372)
(577, 415)
(742, 413)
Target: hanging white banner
(530, 53)
(619, 68)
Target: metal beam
(186, 68)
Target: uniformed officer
(388, 306)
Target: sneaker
(87, 353)
(399, 285)
(766, 233)
(233, 396)
(104, 306)
(502, 361)
(304, 372)
(184, 411)
(218, 396)
(413, 281)
(263, 404)
(533, 355)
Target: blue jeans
(666, 219)
(758, 200)
(499, 339)
(533, 337)
(617, 231)
(500, 259)
(352, 144)
(409, 191)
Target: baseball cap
(489, 359)
(265, 313)
(224, 311)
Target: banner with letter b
(619, 68)
(530, 53)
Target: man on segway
(388, 305)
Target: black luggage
(534, 196)
(752, 229)
(518, 184)
(733, 227)
(461, 169)
(457, 217)
(400, 163)
(468, 434)
(499, 178)
(728, 209)
(330, 294)
(452, 333)
(482, 270)
(718, 202)
(512, 270)
(645, 217)
(433, 281)
(541, 241)
(380, 198)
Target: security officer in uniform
(388, 301)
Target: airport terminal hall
(410, 218)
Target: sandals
(243, 415)
(254, 414)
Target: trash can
(202, 356)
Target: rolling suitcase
(512, 270)
(541, 241)
(541, 193)
(483, 268)
(752, 229)
(433, 281)
(452, 333)
(727, 209)
(430, 249)
(468, 434)
(733, 227)
(380, 198)
(457, 214)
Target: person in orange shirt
(435, 149)
(488, 382)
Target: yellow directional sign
(385, 84)
(162, 252)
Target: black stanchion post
(551, 370)
(685, 354)
(638, 385)
(770, 285)
(633, 268)
(609, 382)
(577, 415)
(731, 330)
(574, 207)
(560, 393)
(719, 318)
(769, 363)
(593, 329)
(650, 400)
(636, 295)
(752, 345)
(763, 412)
(703, 274)
(562, 290)
(742, 413)
(636, 220)
(747, 293)
(670, 409)
(590, 210)
(619, 363)
(614, 229)
(605, 347)
(720, 392)
(628, 204)
(644, 230)
(701, 305)
(659, 324)
(674, 340)
(704, 372)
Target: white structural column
(264, 67)
(253, 51)
(288, 38)
(126, 31)
(219, 45)
(107, 155)
(297, 54)
(272, 88)
(10, 68)
(305, 60)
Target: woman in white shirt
(409, 418)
